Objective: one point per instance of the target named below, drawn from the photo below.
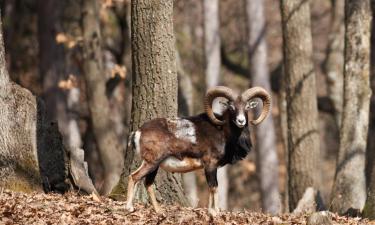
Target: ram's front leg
(213, 200)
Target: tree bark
(154, 87)
(266, 154)
(31, 157)
(349, 189)
(334, 65)
(369, 209)
(302, 113)
(109, 146)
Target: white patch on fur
(241, 120)
(185, 130)
(173, 164)
(137, 137)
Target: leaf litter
(72, 208)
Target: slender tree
(213, 63)
(56, 66)
(302, 113)
(154, 86)
(109, 146)
(185, 108)
(334, 64)
(349, 189)
(266, 154)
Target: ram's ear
(251, 104)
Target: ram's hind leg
(134, 178)
(150, 178)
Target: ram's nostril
(241, 120)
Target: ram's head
(238, 106)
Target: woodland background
(85, 82)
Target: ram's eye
(231, 107)
(251, 105)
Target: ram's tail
(133, 141)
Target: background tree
(154, 86)
(334, 64)
(267, 161)
(185, 108)
(349, 190)
(31, 152)
(109, 146)
(213, 64)
(303, 137)
(57, 64)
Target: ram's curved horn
(258, 92)
(212, 93)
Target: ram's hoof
(213, 212)
(129, 208)
(157, 210)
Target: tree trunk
(56, 66)
(213, 63)
(369, 209)
(111, 150)
(266, 153)
(31, 156)
(334, 64)
(185, 103)
(154, 86)
(349, 189)
(302, 113)
(212, 41)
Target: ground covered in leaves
(19, 208)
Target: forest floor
(20, 208)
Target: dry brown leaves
(20, 208)
(69, 83)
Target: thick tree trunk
(154, 86)
(266, 154)
(369, 209)
(111, 150)
(303, 137)
(334, 64)
(349, 190)
(213, 64)
(31, 157)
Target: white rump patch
(185, 130)
(137, 137)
